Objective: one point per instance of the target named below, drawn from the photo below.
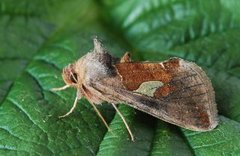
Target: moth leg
(71, 110)
(99, 114)
(60, 88)
(93, 99)
(124, 121)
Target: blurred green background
(39, 37)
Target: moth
(176, 91)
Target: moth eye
(73, 77)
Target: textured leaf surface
(38, 38)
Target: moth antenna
(124, 121)
(60, 88)
(71, 110)
(99, 114)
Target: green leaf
(222, 140)
(149, 25)
(40, 37)
(25, 28)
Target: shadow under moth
(176, 91)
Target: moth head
(94, 65)
(70, 76)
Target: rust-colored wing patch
(134, 74)
(164, 91)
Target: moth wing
(179, 93)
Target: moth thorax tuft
(98, 46)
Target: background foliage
(38, 38)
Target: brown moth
(176, 91)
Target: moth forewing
(186, 98)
